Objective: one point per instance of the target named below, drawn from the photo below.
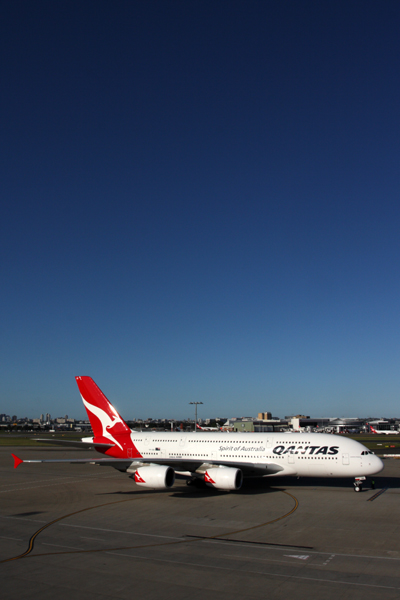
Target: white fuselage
(298, 454)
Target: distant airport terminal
(264, 422)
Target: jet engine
(224, 478)
(156, 477)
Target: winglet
(17, 461)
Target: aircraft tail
(105, 420)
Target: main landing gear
(195, 482)
(358, 484)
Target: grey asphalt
(275, 538)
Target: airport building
(256, 425)
(264, 416)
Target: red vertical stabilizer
(107, 424)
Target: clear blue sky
(200, 202)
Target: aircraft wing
(183, 465)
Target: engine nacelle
(156, 477)
(224, 478)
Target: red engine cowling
(156, 477)
(224, 478)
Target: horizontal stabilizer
(75, 443)
(17, 461)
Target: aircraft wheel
(357, 488)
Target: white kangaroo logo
(106, 422)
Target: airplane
(221, 460)
(207, 428)
(383, 431)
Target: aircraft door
(291, 458)
(345, 459)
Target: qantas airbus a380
(221, 460)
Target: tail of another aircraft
(105, 420)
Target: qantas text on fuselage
(221, 460)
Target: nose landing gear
(358, 484)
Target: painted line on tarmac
(61, 546)
(167, 537)
(175, 542)
(375, 496)
(284, 576)
(34, 536)
(22, 519)
(52, 484)
(227, 542)
(222, 539)
(51, 479)
(328, 560)
(270, 560)
(274, 547)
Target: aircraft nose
(375, 465)
(379, 464)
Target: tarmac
(83, 531)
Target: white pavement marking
(168, 537)
(277, 547)
(285, 576)
(60, 478)
(208, 541)
(228, 543)
(60, 546)
(24, 482)
(57, 483)
(23, 519)
(275, 560)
